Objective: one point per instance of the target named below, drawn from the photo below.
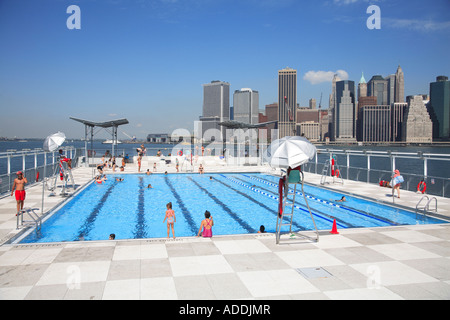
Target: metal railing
(439, 186)
(36, 165)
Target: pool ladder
(35, 218)
(426, 208)
(295, 179)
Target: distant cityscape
(370, 112)
(376, 111)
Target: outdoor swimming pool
(239, 204)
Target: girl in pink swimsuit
(207, 226)
(171, 219)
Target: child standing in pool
(171, 219)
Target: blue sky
(146, 60)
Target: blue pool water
(239, 204)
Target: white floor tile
(403, 251)
(363, 294)
(410, 236)
(391, 273)
(275, 283)
(241, 246)
(308, 258)
(199, 265)
(158, 289)
(122, 290)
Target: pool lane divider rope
(89, 222)
(318, 212)
(276, 198)
(372, 216)
(186, 213)
(259, 203)
(233, 215)
(140, 232)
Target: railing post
(315, 170)
(348, 163)
(9, 165)
(425, 167)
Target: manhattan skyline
(146, 60)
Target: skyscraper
(344, 114)
(376, 123)
(399, 85)
(246, 105)
(440, 107)
(417, 126)
(333, 91)
(378, 87)
(387, 90)
(287, 102)
(362, 87)
(216, 108)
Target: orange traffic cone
(334, 229)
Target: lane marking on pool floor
(140, 231)
(241, 222)
(88, 224)
(186, 213)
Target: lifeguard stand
(294, 177)
(63, 172)
(331, 168)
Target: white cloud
(316, 77)
(415, 24)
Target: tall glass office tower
(216, 108)
(440, 107)
(287, 102)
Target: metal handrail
(426, 207)
(435, 204)
(420, 201)
(33, 215)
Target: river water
(435, 168)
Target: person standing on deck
(19, 186)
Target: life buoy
(37, 176)
(337, 173)
(281, 183)
(422, 186)
(180, 153)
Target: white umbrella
(290, 152)
(54, 141)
